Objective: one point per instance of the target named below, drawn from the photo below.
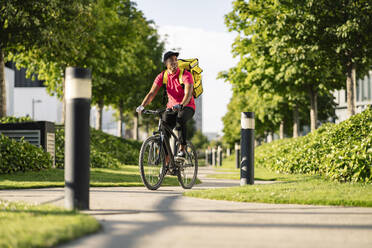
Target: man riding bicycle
(180, 99)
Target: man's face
(172, 63)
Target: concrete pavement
(137, 217)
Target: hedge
(106, 151)
(22, 156)
(339, 152)
(13, 119)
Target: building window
(20, 79)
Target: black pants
(178, 120)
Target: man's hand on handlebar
(177, 107)
(139, 109)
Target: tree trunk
(121, 121)
(281, 130)
(296, 121)
(269, 137)
(63, 117)
(2, 86)
(135, 126)
(99, 115)
(351, 90)
(313, 94)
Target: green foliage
(199, 140)
(281, 62)
(13, 119)
(340, 152)
(21, 156)
(32, 23)
(113, 38)
(190, 129)
(106, 151)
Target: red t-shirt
(175, 91)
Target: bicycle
(152, 162)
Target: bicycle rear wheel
(188, 170)
(152, 163)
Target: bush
(106, 151)
(22, 156)
(13, 119)
(340, 152)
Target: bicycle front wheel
(152, 162)
(188, 170)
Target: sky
(196, 28)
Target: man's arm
(188, 94)
(150, 96)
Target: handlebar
(156, 112)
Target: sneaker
(181, 154)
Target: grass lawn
(260, 173)
(201, 162)
(293, 188)
(126, 175)
(24, 225)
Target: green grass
(24, 225)
(124, 176)
(313, 191)
(201, 162)
(292, 189)
(260, 173)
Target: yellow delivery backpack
(192, 65)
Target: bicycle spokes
(188, 168)
(151, 163)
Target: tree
(277, 57)
(116, 41)
(342, 29)
(26, 25)
(199, 140)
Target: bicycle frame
(177, 166)
(163, 128)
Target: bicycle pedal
(179, 159)
(172, 172)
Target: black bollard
(210, 156)
(78, 92)
(247, 148)
(219, 152)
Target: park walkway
(137, 217)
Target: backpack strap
(165, 80)
(180, 76)
(165, 77)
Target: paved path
(136, 217)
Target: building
(363, 97)
(26, 97)
(198, 116)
